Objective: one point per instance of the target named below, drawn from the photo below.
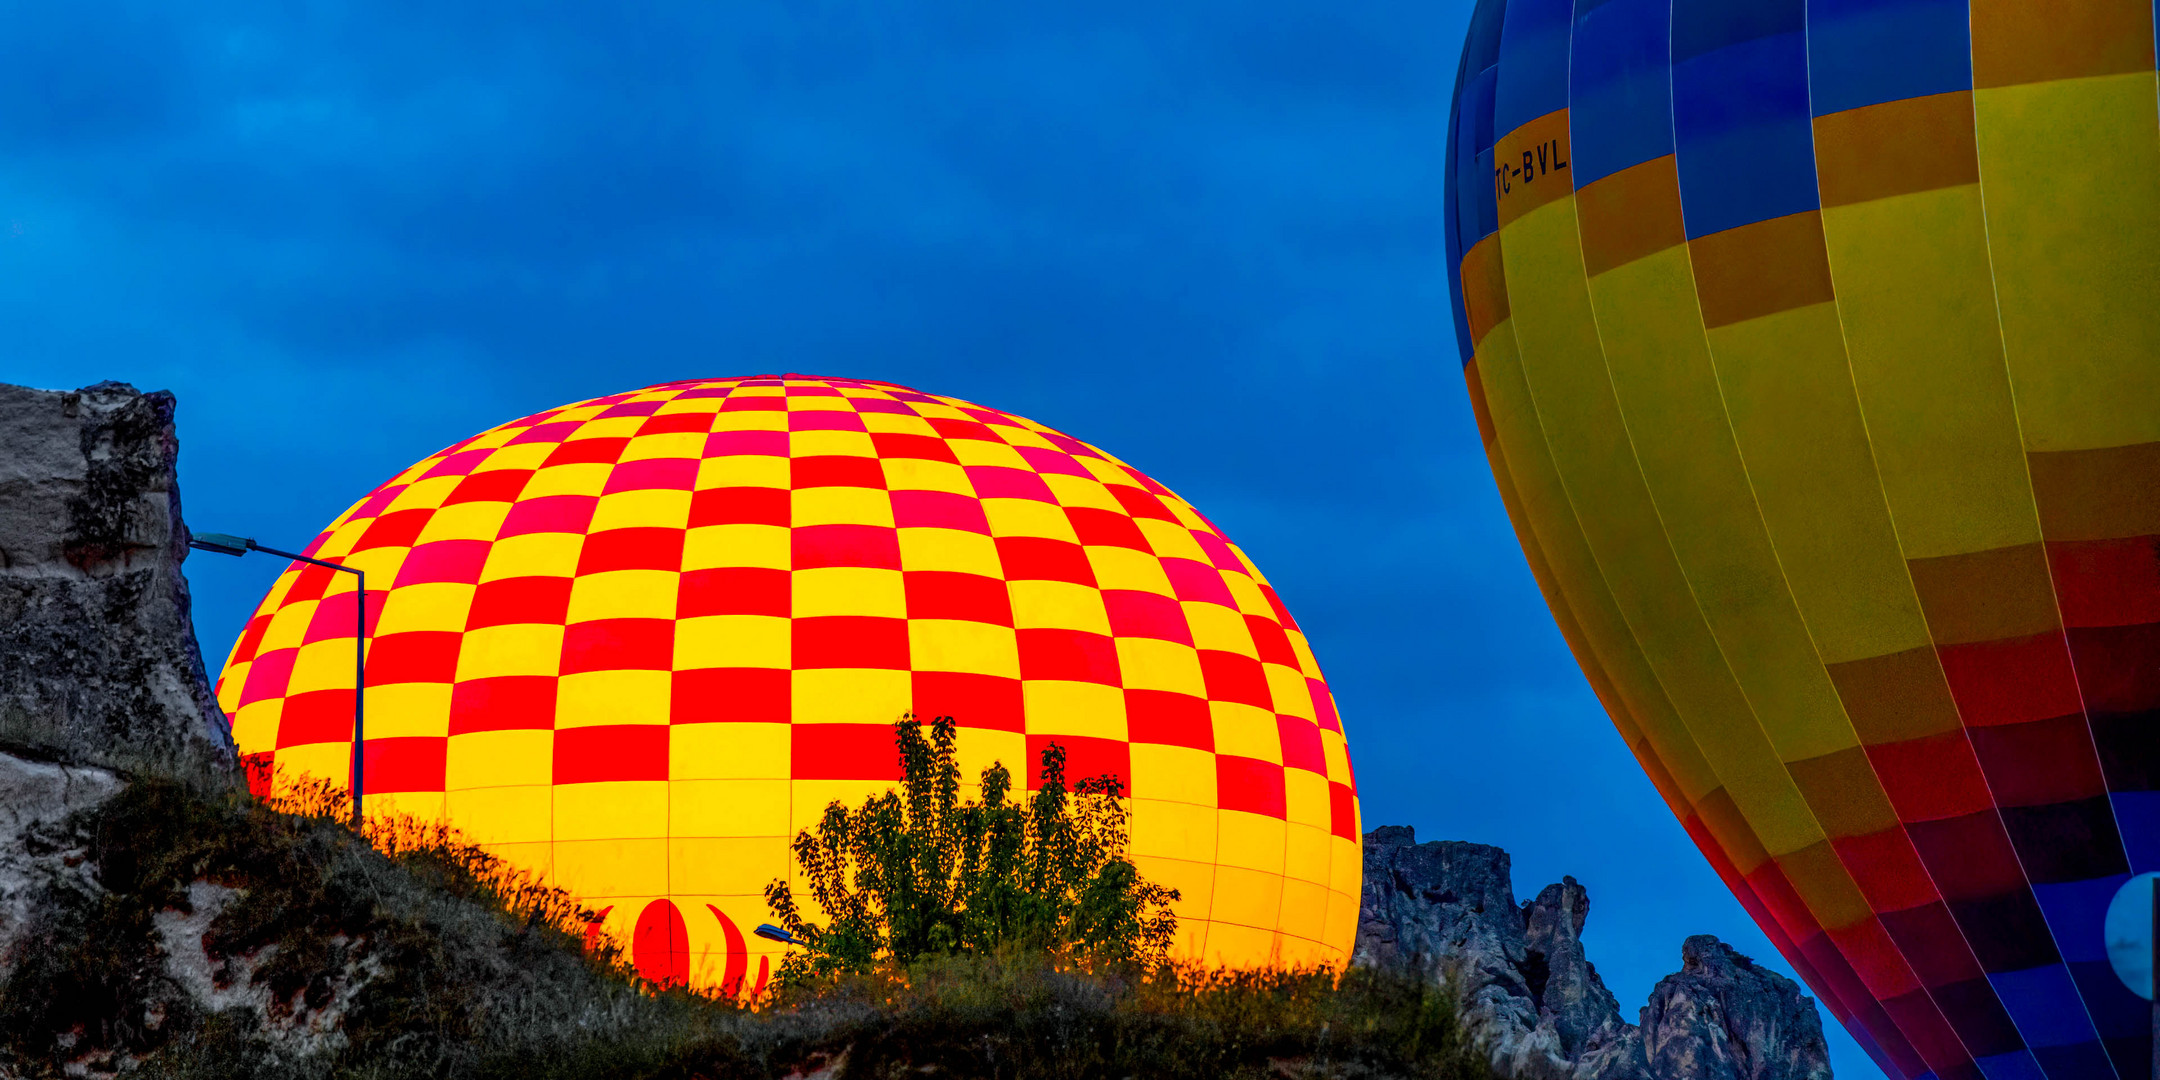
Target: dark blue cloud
(1204, 235)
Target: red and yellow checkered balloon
(637, 642)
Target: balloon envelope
(637, 642)
(1816, 352)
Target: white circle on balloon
(2129, 930)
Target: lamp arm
(297, 557)
(359, 720)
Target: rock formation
(99, 670)
(1447, 909)
(1721, 1017)
(98, 660)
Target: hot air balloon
(635, 643)
(1815, 348)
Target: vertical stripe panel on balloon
(2075, 251)
(1537, 484)
(1531, 168)
(1648, 320)
(1908, 258)
(1566, 374)
(1746, 176)
(1632, 699)
(1572, 395)
(1470, 166)
(1650, 330)
(1452, 198)
(1566, 378)
(1551, 541)
(1481, 295)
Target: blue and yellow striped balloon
(1815, 345)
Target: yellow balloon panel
(636, 643)
(1823, 398)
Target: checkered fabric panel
(640, 640)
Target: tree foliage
(918, 872)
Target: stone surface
(293, 1031)
(37, 854)
(1528, 991)
(98, 659)
(1723, 1017)
(1447, 909)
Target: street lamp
(773, 933)
(224, 544)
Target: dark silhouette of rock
(1572, 1001)
(1723, 1017)
(1447, 909)
(98, 660)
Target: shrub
(917, 872)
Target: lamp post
(774, 933)
(224, 544)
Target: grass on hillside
(468, 967)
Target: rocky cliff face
(99, 671)
(98, 660)
(1448, 909)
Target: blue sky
(1205, 236)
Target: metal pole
(359, 712)
(2155, 986)
(359, 702)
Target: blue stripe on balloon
(1481, 59)
(2044, 1004)
(1480, 208)
(1469, 177)
(1451, 219)
(1744, 138)
(1481, 49)
(1533, 62)
(1705, 26)
(2016, 1065)
(1865, 52)
(2075, 1061)
(1620, 104)
(2076, 912)
(2137, 815)
(1451, 215)
(2116, 1011)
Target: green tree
(917, 872)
